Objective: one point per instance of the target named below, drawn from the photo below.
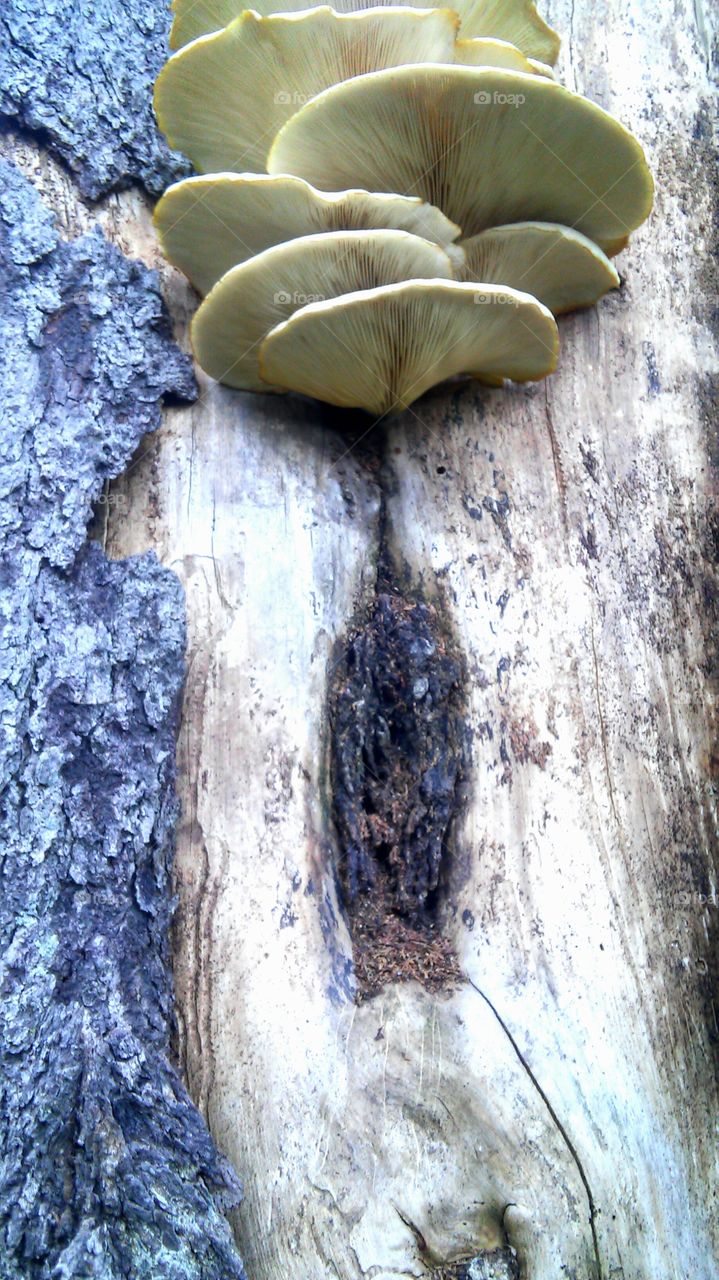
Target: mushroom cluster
(388, 196)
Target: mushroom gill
(486, 146)
(389, 195)
(562, 268)
(516, 21)
(256, 296)
(380, 349)
(222, 98)
(209, 224)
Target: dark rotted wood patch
(491, 1264)
(397, 735)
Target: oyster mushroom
(257, 295)
(209, 224)
(560, 267)
(486, 146)
(380, 349)
(222, 99)
(514, 20)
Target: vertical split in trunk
(397, 751)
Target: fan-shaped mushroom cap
(221, 99)
(514, 20)
(382, 348)
(482, 52)
(251, 299)
(209, 224)
(560, 267)
(194, 18)
(487, 146)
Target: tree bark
(552, 1106)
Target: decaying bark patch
(108, 1169)
(492, 1264)
(397, 734)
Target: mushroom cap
(209, 224)
(514, 20)
(380, 349)
(483, 52)
(256, 296)
(223, 97)
(194, 18)
(542, 68)
(486, 146)
(560, 267)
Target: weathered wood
(563, 1099)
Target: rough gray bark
(107, 1168)
(80, 76)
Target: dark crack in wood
(397, 746)
(597, 1259)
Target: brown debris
(525, 747)
(391, 948)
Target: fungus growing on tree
(562, 268)
(379, 349)
(482, 52)
(516, 21)
(259, 294)
(487, 146)
(223, 98)
(209, 224)
(424, 194)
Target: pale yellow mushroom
(482, 52)
(380, 349)
(560, 267)
(486, 146)
(222, 99)
(516, 21)
(209, 224)
(257, 295)
(542, 68)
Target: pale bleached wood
(583, 601)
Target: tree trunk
(528, 1077)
